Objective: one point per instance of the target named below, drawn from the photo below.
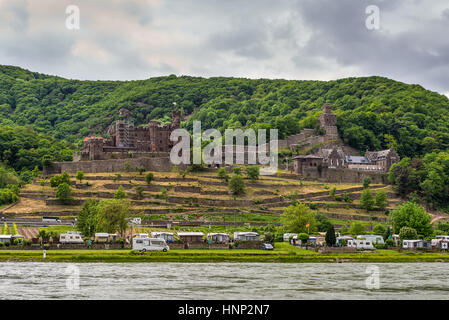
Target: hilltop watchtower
(328, 122)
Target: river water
(34, 280)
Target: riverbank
(219, 255)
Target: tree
(223, 174)
(387, 233)
(87, 218)
(80, 176)
(120, 193)
(296, 217)
(139, 192)
(411, 214)
(237, 185)
(237, 170)
(323, 222)
(407, 233)
(64, 193)
(252, 172)
(149, 178)
(366, 200)
(112, 216)
(14, 229)
(127, 166)
(5, 228)
(381, 199)
(332, 192)
(357, 228)
(56, 180)
(366, 182)
(269, 237)
(379, 229)
(330, 238)
(304, 237)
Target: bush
(7, 196)
(366, 182)
(252, 172)
(120, 193)
(80, 176)
(237, 185)
(64, 193)
(56, 180)
(389, 243)
(269, 237)
(237, 170)
(223, 174)
(149, 178)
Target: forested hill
(374, 112)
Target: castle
(333, 161)
(124, 138)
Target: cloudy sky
(291, 39)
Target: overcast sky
(291, 39)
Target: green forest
(44, 118)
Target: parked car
(267, 246)
(150, 244)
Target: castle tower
(328, 122)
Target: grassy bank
(293, 255)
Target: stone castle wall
(111, 165)
(343, 175)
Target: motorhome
(167, 236)
(414, 244)
(218, 237)
(343, 240)
(71, 238)
(150, 244)
(102, 237)
(287, 236)
(246, 236)
(141, 235)
(360, 244)
(438, 239)
(374, 238)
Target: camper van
(374, 238)
(360, 244)
(246, 236)
(167, 236)
(218, 237)
(101, 237)
(150, 244)
(71, 237)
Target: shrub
(149, 178)
(381, 199)
(120, 193)
(252, 172)
(366, 182)
(223, 174)
(55, 181)
(64, 193)
(80, 176)
(407, 233)
(237, 170)
(366, 200)
(332, 192)
(139, 192)
(237, 185)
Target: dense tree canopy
(374, 112)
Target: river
(34, 280)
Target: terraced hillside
(203, 198)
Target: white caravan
(150, 244)
(360, 244)
(374, 238)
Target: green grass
(283, 253)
